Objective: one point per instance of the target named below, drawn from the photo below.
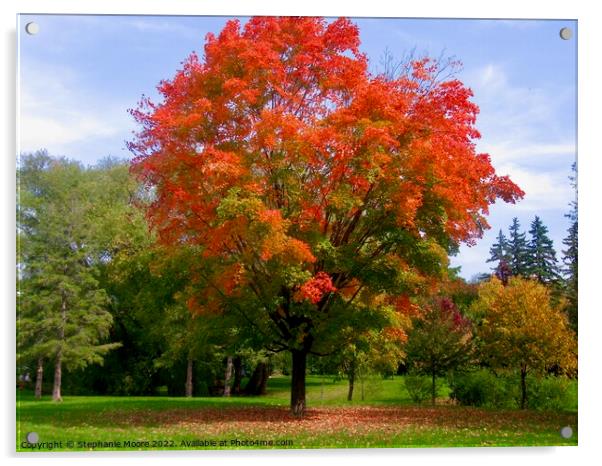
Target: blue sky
(80, 74)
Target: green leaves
(67, 221)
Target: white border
(590, 155)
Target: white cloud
(58, 112)
(518, 125)
(490, 75)
(523, 131)
(510, 112)
(52, 132)
(520, 24)
(543, 190)
(516, 151)
(156, 25)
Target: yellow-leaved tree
(521, 329)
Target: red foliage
(315, 288)
(450, 312)
(283, 118)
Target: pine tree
(542, 263)
(570, 256)
(518, 252)
(499, 253)
(499, 250)
(62, 313)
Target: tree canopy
(62, 309)
(521, 328)
(311, 185)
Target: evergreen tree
(518, 252)
(62, 312)
(542, 263)
(570, 256)
(499, 251)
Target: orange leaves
(395, 334)
(276, 129)
(404, 306)
(300, 251)
(271, 217)
(232, 278)
(279, 137)
(276, 242)
(286, 249)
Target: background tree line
(99, 302)
(535, 257)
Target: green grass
(385, 417)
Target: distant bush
(548, 393)
(419, 387)
(484, 388)
(201, 388)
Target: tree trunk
(189, 386)
(361, 376)
(237, 375)
(523, 386)
(58, 364)
(298, 383)
(321, 388)
(228, 376)
(433, 389)
(351, 377)
(258, 381)
(39, 377)
(58, 372)
(263, 380)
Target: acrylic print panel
(287, 233)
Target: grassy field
(385, 417)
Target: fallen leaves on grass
(277, 421)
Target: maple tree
(440, 340)
(312, 187)
(521, 329)
(370, 342)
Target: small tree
(522, 330)
(440, 340)
(373, 352)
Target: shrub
(483, 388)
(548, 393)
(201, 388)
(419, 387)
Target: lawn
(385, 417)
